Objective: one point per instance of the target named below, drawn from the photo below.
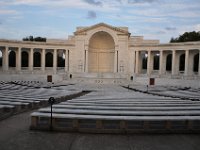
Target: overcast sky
(153, 19)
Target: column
(173, 62)
(5, 59)
(55, 60)
(149, 63)
(199, 63)
(18, 60)
(132, 62)
(86, 60)
(161, 63)
(66, 60)
(186, 62)
(137, 62)
(116, 62)
(31, 59)
(43, 60)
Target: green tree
(37, 39)
(186, 37)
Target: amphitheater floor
(15, 135)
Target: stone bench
(66, 106)
(116, 124)
(111, 112)
(6, 111)
(32, 103)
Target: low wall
(30, 77)
(169, 82)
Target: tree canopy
(186, 37)
(36, 39)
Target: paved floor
(15, 135)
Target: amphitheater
(108, 82)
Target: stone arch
(12, 58)
(196, 63)
(36, 59)
(101, 29)
(49, 59)
(101, 52)
(24, 59)
(182, 62)
(169, 62)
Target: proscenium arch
(101, 53)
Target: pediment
(84, 30)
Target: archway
(182, 62)
(144, 56)
(37, 59)
(169, 62)
(24, 59)
(49, 60)
(196, 63)
(101, 53)
(12, 59)
(1, 56)
(156, 61)
(61, 59)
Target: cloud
(160, 32)
(7, 12)
(91, 15)
(170, 28)
(93, 2)
(197, 27)
(141, 1)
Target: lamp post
(51, 102)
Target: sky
(57, 19)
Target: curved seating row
(118, 110)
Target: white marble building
(102, 52)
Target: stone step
(68, 106)
(116, 124)
(124, 112)
(123, 102)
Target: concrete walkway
(15, 135)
